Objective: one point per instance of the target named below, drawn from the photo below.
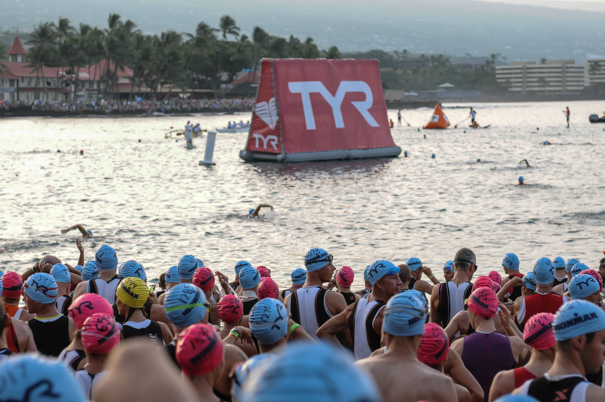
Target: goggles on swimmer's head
(393, 271)
(468, 262)
(449, 268)
(316, 259)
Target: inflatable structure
(439, 120)
(313, 110)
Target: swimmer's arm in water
(81, 228)
(258, 208)
(526, 162)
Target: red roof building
(17, 52)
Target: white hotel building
(556, 76)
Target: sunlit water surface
(148, 197)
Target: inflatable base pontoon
(389, 152)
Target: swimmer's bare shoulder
(420, 382)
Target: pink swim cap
(86, 305)
(485, 282)
(263, 271)
(267, 288)
(483, 302)
(230, 309)
(203, 278)
(434, 345)
(495, 276)
(590, 272)
(12, 285)
(345, 276)
(100, 333)
(538, 332)
(199, 350)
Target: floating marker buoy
(433, 156)
(405, 154)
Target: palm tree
(260, 40)
(43, 50)
(228, 27)
(310, 49)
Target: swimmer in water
(86, 234)
(547, 143)
(521, 183)
(253, 213)
(526, 162)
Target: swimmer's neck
(403, 346)
(107, 275)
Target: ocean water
(147, 196)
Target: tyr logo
(271, 139)
(305, 88)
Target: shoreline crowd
(138, 106)
(97, 331)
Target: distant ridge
(460, 27)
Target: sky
(586, 5)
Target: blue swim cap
(405, 314)
(89, 232)
(306, 371)
(187, 266)
(1, 273)
(516, 398)
(559, 263)
(576, 269)
(582, 286)
(269, 321)
(317, 258)
(41, 288)
(544, 271)
(61, 273)
(185, 305)
(249, 278)
(250, 211)
(200, 263)
(299, 276)
(1, 287)
(90, 271)
(529, 281)
(240, 265)
(511, 261)
(577, 317)
(381, 268)
(78, 267)
(570, 263)
(106, 258)
(414, 263)
(243, 371)
(449, 265)
(366, 277)
(30, 377)
(132, 268)
(520, 179)
(172, 276)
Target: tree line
(198, 60)
(209, 56)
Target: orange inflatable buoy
(439, 120)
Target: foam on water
(153, 203)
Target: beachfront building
(549, 77)
(21, 82)
(595, 70)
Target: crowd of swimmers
(98, 331)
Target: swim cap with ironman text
(133, 292)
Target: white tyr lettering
(305, 88)
(271, 139)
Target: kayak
(194, 134)
(593, 118)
